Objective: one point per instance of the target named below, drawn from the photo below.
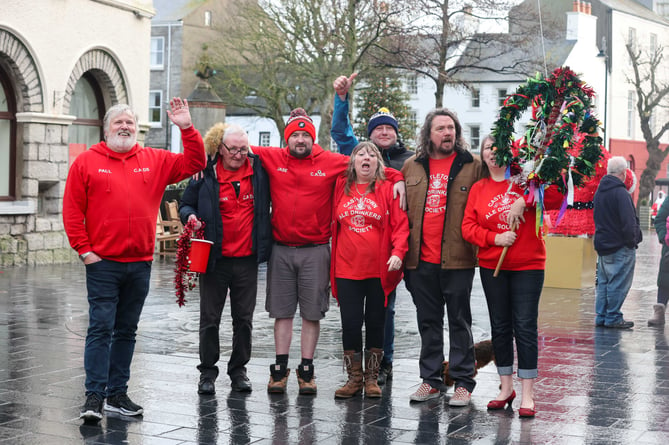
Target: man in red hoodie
(111, 201)
(302, 178)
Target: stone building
(62, 65)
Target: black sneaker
(121, 403)
(92, 409)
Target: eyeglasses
(236, 151)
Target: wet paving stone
(595, 385)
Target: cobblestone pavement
(595, 386)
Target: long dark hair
(485, 171)
(425, 147)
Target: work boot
(306, 379)
(353, 365)
(373, 358)
(278, 379)
(385, 373)
(658, 315)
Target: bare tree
(285, 53)
(652, 105)
(442, 41)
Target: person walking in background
(617, 235)
(112, 196)
(440, 263)
(369, 240)
(232, 198)
(660, 223)
(383, 131)
(495, 208)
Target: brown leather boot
(373, 358)
(353, 365)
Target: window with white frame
(652, 44)
(157, 53)
(207, 18)
(263, 139)
(631, 37)
(155, 108)
(411, 82)
(501, 96)
(476, 97)
(631, 99)
(412, 119)
(475, 138)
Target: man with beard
(440, 263)
(112, 196)
(302, 178)
(382, 130)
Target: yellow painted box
(570, 262)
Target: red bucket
(199, 254)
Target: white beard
(123, 143)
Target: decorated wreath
(561, 107)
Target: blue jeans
(513, 306)
(389, 335)
(116, 294)
(614, 279)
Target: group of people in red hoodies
(338, 223)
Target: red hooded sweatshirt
(301, 190)
(112, 199)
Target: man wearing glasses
(232, 198)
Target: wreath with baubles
(561, 105)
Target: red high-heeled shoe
(501, 404)
(527, 412)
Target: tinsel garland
(562, 107)
(184, 279)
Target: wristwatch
(83, 256)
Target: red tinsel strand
(184, 279)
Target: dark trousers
(431, 288)
(116, 295)
(361, 301)
(240, 276)
(389, 335)
(513, 306)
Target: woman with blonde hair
(369, 240)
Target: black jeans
(431, 288)
(361, 301)
(240, 276)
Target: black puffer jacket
(201, 198)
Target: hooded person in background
(112, 196)
(617, 236)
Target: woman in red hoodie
(494, 208)
(369, 240)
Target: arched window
(7, 139)
(88, 106)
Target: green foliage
(379, 90)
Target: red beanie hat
(299, 121)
